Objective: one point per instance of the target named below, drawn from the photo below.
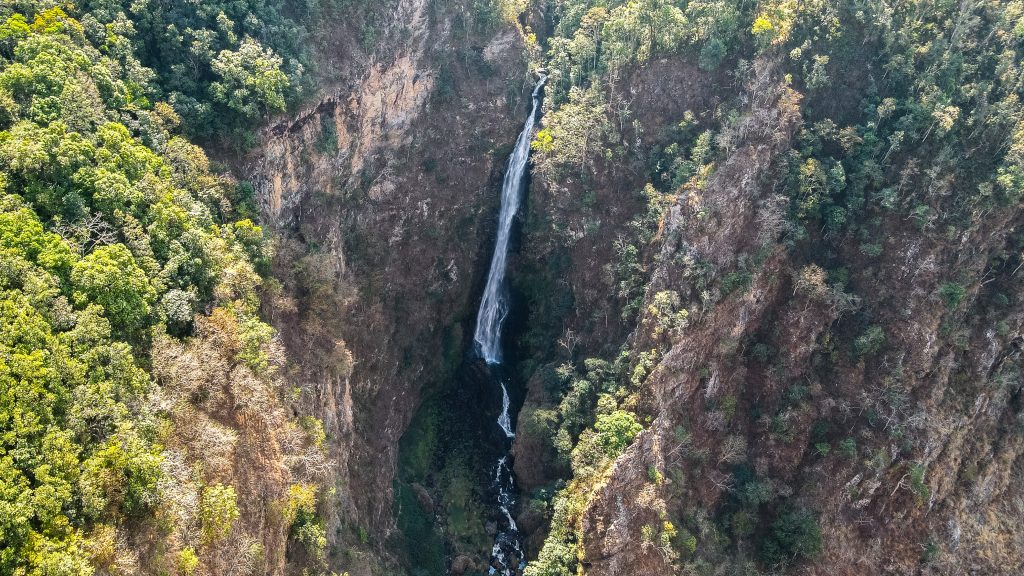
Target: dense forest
(129, 264)
(767, 310)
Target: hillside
(761, 313)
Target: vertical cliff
(768, 270)
(767, 335)
(382, 193)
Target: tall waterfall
(494, 304)
(507, 556)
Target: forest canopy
(115, 235)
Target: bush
(917, 484)
(794, 534)
(666, 314)
(869, 342)
(187, 561)
(952, 294)
(218, 511)
(733, 281)
(306, 527)
(616, 430)
(685, 542)
(848, 448)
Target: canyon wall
(721, 375)
(382, 194)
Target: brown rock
(423, 497)
(462, 564)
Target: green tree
(250, 79)
(616, 430)
(111, 278)
(794, 534)
(218, 510)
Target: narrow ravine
(507, 554)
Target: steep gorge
(383, 194)
(283, 293)
(796, 408)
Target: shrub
(187, 561)
(666, 314)
(218, 510)
(917, 485)
(755, 493)
(872, 249)
(796, 393)
(869, 342)
(848, 448)
(686, 542)
(646, 535)
(742, 524)
(952, 294)
(655, 475)
(300, 514)
(738, 280)
(646, 361)
(794, 534)
(616, 430)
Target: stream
(507, 556)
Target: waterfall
(494, 304)
(505, 420)
(507, 554)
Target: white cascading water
(505, 420)
(507, 554)
(494, 304)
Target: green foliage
(665, 313)
(218, 63)
(952, 294)
(686, 542)
(327, 142)
(932, 149)
(755, 493)
(869, 342)
(188, 561)
(218, 510)
(255, 335)
(306, 526)
(917, 484)
(736, 280)
(111, 228)
(250, 80)
(645, 362)
(688, 159)
(110, 278)
(794, 535)
(593, 37)
(593, 431)
(629, 270)
(848, 448)
(574, 135)
(615, 431)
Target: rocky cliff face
(794, 422)
(732, 203)
(932, 425)
(810, 402)
(382, 194)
